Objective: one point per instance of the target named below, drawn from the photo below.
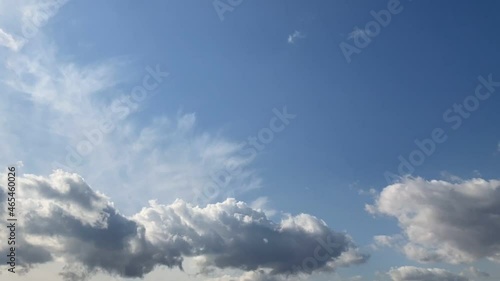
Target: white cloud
(295, 36)
(22, 20)
(411, 273)
(443, 221)
(61, 86)
(387, 241)
(173, 161)
(9, 41)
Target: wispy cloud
(262, 204)
(295, 36)
(8, 40)
(25, 19)
(75, 99)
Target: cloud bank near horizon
(65, 219)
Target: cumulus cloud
(65, 219)
(411, 273)
(442, 221)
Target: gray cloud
(65, 218)
(443, 221)
(411, 273)
(476, 273)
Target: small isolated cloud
(411, 273)
(295, 36)
(65, 219)
(369, 192)
(441, 221)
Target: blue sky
(228, 74)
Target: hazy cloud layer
(259, 275)
(411, 273)
(65, 219)
(443, 221)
